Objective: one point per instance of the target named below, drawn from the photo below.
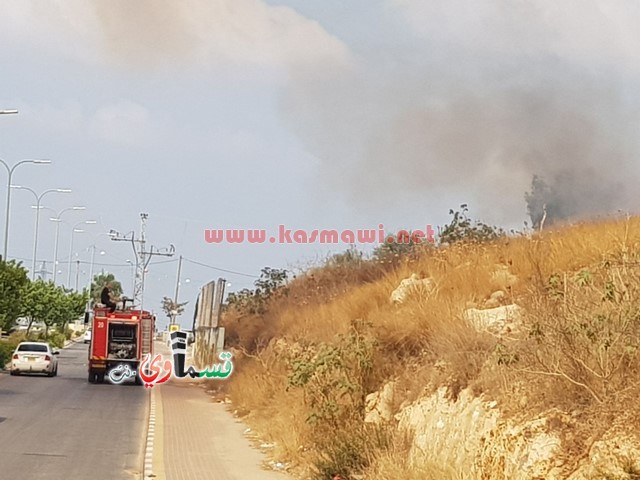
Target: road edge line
(147, 471)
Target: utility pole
(143, 257)
(175, 298)
(142, 264)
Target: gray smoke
(464, 101)
(472, 114)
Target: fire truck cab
(121, 337)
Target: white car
(34, 357)
(87, 336)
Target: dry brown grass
(425, 343)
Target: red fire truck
(123, 337)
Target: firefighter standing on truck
(106, 299)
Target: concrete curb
(68, 343)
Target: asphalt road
(66, 428)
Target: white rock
(615, 454)
(494, 319)
(413, 284)
(379, 405)
(446, 433)
(469, 435)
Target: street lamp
(76, 230)
(8, 112)
(58, 221)
(10, 171)
(38, 199)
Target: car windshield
(31, 347)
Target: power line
(160, 262)
(164, 261)
(219, 269)
(84, 262)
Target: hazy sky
(313, 114)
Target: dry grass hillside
(307, 366)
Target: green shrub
(68, 333)
(16, 337)
(8, 346)
(462, 229)
(335, 378)
(56, 340)
(400, 247)
(38, 336)
(6, 350)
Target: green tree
(72, 305)
(272, 283)
(52, 305)
(172, 308)
(545, 203)
(38, 299)
(13, 283)
(55, 311)
(100, 281)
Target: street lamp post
(75, 230)
(8, 112)
(58, 221)
(10, 171)
(174, 314)
(38, 200)
(77, 273)
(93, 257)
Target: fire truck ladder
(147, 336)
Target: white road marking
(148, 458)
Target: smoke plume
(464, 100)
(489, 94)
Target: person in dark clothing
(106, 299)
